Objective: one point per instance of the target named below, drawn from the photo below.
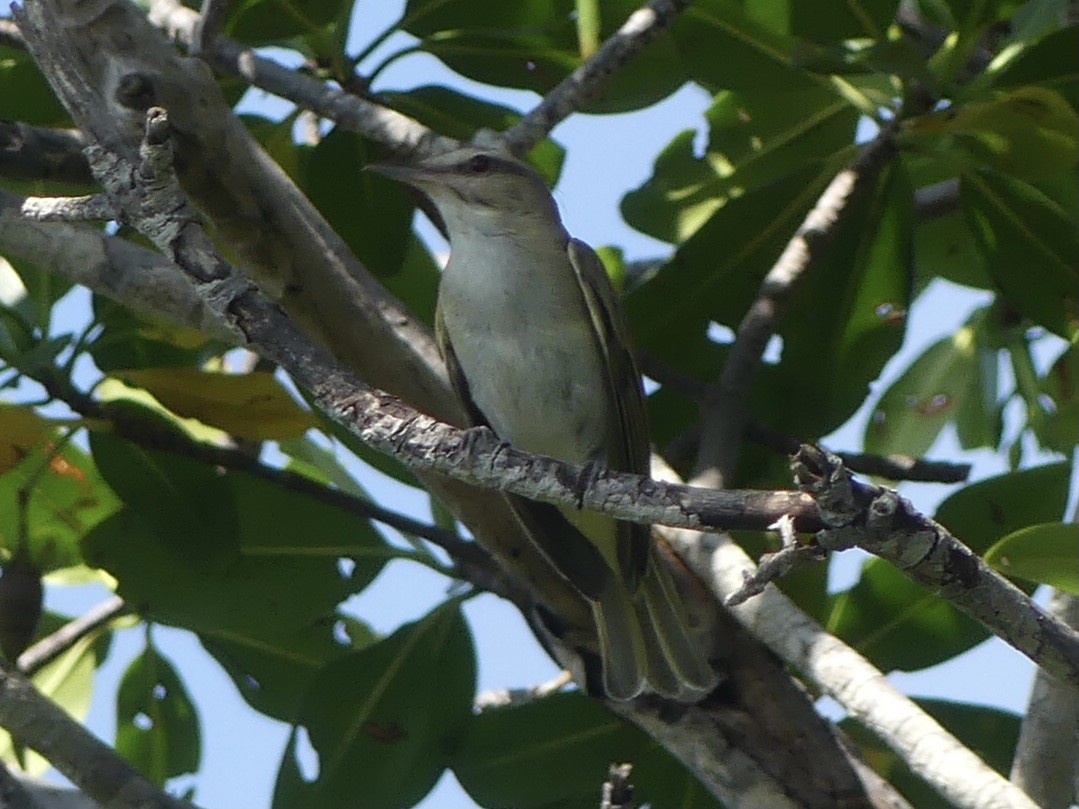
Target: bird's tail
(645, 643)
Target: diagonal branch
(727, 412)
(573, 92)
(89, 763)
(52, 646)
(400, 133)
(843, 674)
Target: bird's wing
(569, 551)
(627, 440)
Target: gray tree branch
(86, 761)
(1046, 762)
(726, 413)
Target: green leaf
(351, 199)
(384, 720)
(532, 47)
(990, 733)
(726, 46)
(457, 115)
(1029, 132)
(755, 138)
(1045, 554)
(716, 273)
(863, 283)
(282, 576)
(275, 522)
(555, 752)
(273, 671)
(1061, 385)
(837, 20)
(157, 724)
(910, 414)
(27, 96)
(983, 512)
(67, 495)
(897, 623)
(1048, 62)
(944, 247)
(261, 22)
(1030, 246)
(186, 504)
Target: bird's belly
(541, 389)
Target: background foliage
(258, 571)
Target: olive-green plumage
(537, 349)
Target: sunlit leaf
(252, 405)
(1046, 554)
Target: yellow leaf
(253, 406)
(21, 430)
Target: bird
(537, 349)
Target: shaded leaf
(1030, 245)
(67, 495)
(383, 723)
(983, 512)
(273, 671)
(186, 503)
(555, 752)
(157, 724)
(897, 623)
(281, 577)
(1028, 132)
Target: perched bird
(536, 347)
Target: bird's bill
(413, 175)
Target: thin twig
(400, 133)
(11, 36)
(89, 208)
(584, 83)
(773, 566)
(52, 646)
(212, 17)
(471, 562)
(617, 790)
(509, 697)
(725, 417)
(42, 153)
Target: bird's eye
(479, 164)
